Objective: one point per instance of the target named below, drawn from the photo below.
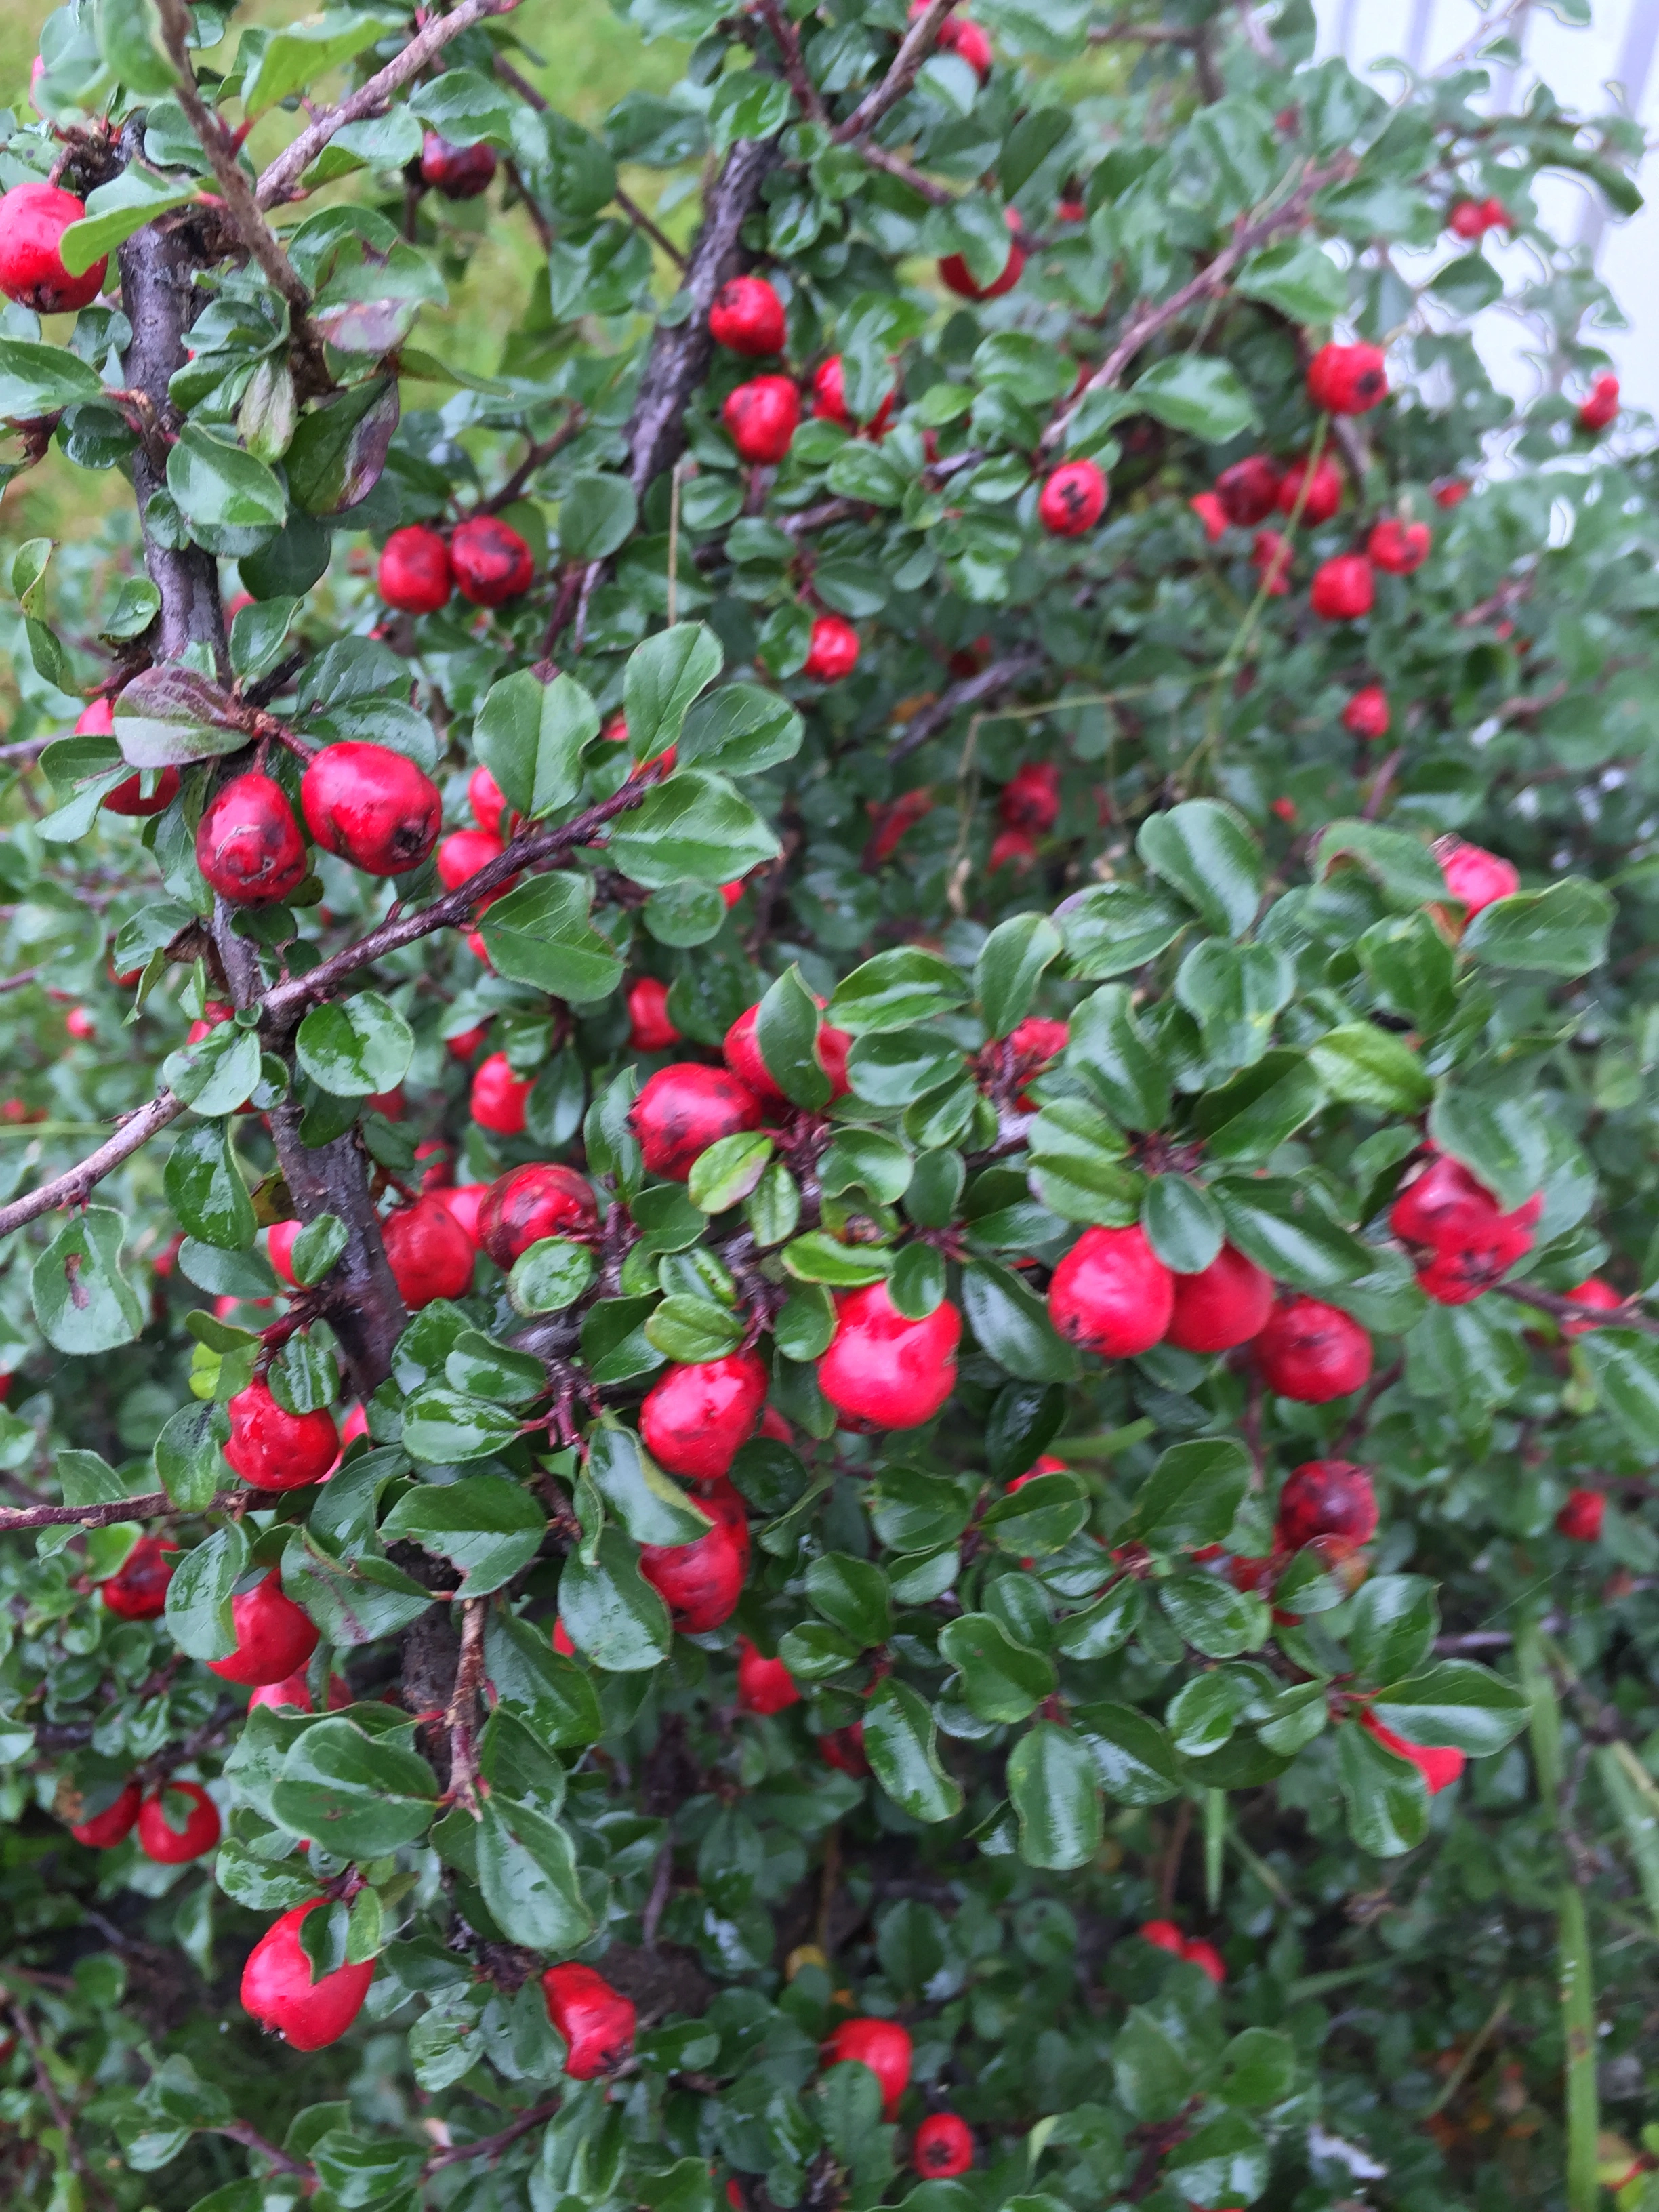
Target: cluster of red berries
(1028, 806)
(177, 1821)
(1474, 218)
(459, 173)
(365, 803)
(1164, 1935)
(484, 558)
(1601, 407)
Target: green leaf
(317, 1247)
(787, 1031)
(612, 1612)
(188, 1464)
(443, 1427)
(555, 1695)
(728, 1170)
(136, 197)
(652, 1509)
(1364, 1066)
(1181, 1224)
(1077, 1166)
(740, 729)
(694, 827)
(540, 934)
(894, 989)
(1625, 1368)
(1559, 931)
(1385, 1796)
(1227, 2161)
(1202, 849)
(1131, 1754)
(336, 455)
(1152, 2072)
(1277, 1224)
(485, 1525)
(819, 1257)
(853, 1594)
(1234, 992)
(1401, 865)
(1051, 1785)
(199, 1592)
(551, 1275)
(528, 1877)
(205, 1189)
(662, 679)
(217, 1074)
(1456, 1706)
(358, 1795)
(1297, 276)
(355, 1047)
(42, 379)
(1502, 1138)
(1212, 1616)
(1042, 1516)
(1011, 965)
(296, 56)
(217, 486)
(1109, 1055)
(1392, 1624)
(168, 717)
(1106, 1625)
(902, 1746)
(1001, 1681)
(83, 1301)
(1112, 929)
(530, 736)
(1199, 394)
(1192, 1494)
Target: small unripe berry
(1073, 499)
(1248, 490)
(248, 845)
(685, 1107)
(33, 220)
(1348, 380)
(373, 806)
(1111, 1294)
(1366, 715)
(1400, 548)
(1312, 1352)
(883, 1371)
(459, 173)
(492, 563)
(834, 651)
(761, 417)
(415, 574)
(430, 1254)
(1342, 589)
(748, 318)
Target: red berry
(1210, 513)
(272, 1449)
(1496, 216)
(1450, 491)
(1456, 1273)
(128, 798)
(834, 651)
(1400, 548)
(693, 1418)
(649, 1026)
(1443, 1205)
(430, 1254)
(33, 220)
(1468, 219)
(883, 1371)
(685, 1109)
(1011, 848)
(595, 2022)
(1073, 499)
(1037, 1043)
(764, 1686)
(1270, 554)
(1439, 1768)
(1474, 876)
(278, 1991)
(1580, 1519)
(882, 2046)
(1284, 808)
(956, 276)
(465, 1043)
(274, 1637)
(1591, 1292)
(1030, 797)
(1112, 1294)
(464, 1203)
(1163, 1935)
(113, 1825)
(1342, 588)
(464, 852)
(1226, 1304)
(528, 1203)
(295, 1690)
(943, 2147)
(248, 845)
(1312, 1352)
(957, 35)
(371, 805)
(459, 173)
(1366, 715)
(1324, 496)
(829, 399)
(1348, 380)
(492, 563)
(280, 1240)
(498, 1097)
(137, 1590)
(843, 1749)
(701, 1582)
(748, 318)
(163, 1838)
(892, 818)
(761, 417)
(80, 1024)
(1331, 1499)
(1594, 413)
(1249, 491)
(415, 571)
(1204, 1956)
(742, 1054)
(97, 719)
(561, 1643)
(488, 804)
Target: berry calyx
(1438, 1766)
(492, 563)
(172, 1833)
(1225, 1304)
(137, 1590)
(882, 2046)
(103, 1830)
(1400, 548)
(764, 1686)
(761, 417)
(685, 1107)
(701, 1582)
(1580, 1519)
(33, 220)
(748, 318)
(1348, 380)
(528, 1203)
(497, 1098)
(1594, 413)
(1323, 497)
(1073, 499)
(1366, 715)
(373, 806)
(274, 1637)
(1476, 878)
(1248, 492)
(272, 1449)
(883, 1371)
(429, 1252)
(278, 1991)
(248, 845)
(1342, 588)
(1329, 1499)
(833, 654)
(943, 2147)
(693, 1418)
(1111, 1294)
(955, 276)
(595, 2022)
(1312, 1352)
(459, 173)
(415, 575)
(649, 1026)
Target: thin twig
(787, 42)
(240, 2132)
(487, 2146)
(19, 981)
(907, 173)
(642, 222)
(539, 455)
(145, 1505)
(915, 47)
(973, 691)
(71, 1189)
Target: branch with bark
(73, 1188)
(918, 42)
(991, 683)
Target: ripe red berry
(1580, 1519)
(1249, 491)
(464, 852)
(33, 220)
(761, 417)
(764, 1686)
(834, 651)
(1474, 876)
(1594, 414)
(882, 2046)
(103, 1830)
(459, 173)
(1210, 513)
(1226, 1304)
(650, 1029)
(248, 845)
(1400, 548)
(171, 1834)
(278, 1991)
(1284, 808)
(742, 1052)
(415, 573)
(943, 2147)
(1457, 1273)
(958, 35)
(295, 1690)
(465, 1043)
(843, 1749)
(80, 1024)
(693, 1418)
(1011, 848)
(829, 399)
(1439, 1767)
(528, 1203)
(1112, 1294)
(955, 276)
(1468, 219)
(685, 1107)
(1450, 491)
(492, 563)
(430, 1254)
(128, 798)
(1331, 1499)
(1342, 588)
(1323, 497)
(464, 1203)
(596, 2022)
(1496, 216)
(272, 1449)
(1073, 499)
(1366, 715)
(1163, 1935)
(497, 1100)
(1204, 1956)
(1443, 1205)
(137, 1590)
(488, 804)
(1312, 1352)
(1030, 797)
(1591, 1292)
(1348, 380)
(883, 1371)
(1270, 554)
(96, 719)
(274, 1637)
(748, 318)
(373, 806)
(701, 1582)
(1037, 1043)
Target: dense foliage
(913, 979)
